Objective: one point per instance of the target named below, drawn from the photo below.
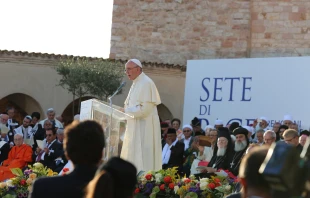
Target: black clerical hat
(172, 131)
(195, 122)
(240, 130)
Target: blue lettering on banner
(217, 88)
(245, 88)
(205, 89)
(204, 109)
(231, 87)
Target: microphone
(118, 89)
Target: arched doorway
(163, 112)
(23, 104)
(68, 113)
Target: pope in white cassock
(142, 143)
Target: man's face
(51, 116)
(287, 122)
(276, 127)
(293, 126)
(60, 137)
(171, 137)
(132, 70)
(187, 132)
(281, 132)
(168, 122)
(218, 126)
(263, 124)
(302, 140)
(213, 136)
(260, 137)
(11, 113)
(176, 125)
(4, 119)
(222, 142)
(294, 141)
(197, 128)
(34, 120)
(240, 138)
(268, 139)
(18, 140)
(47, 125)
(26, 122)
(50, 136)
(164, 130)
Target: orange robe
(19, 156)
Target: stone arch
(163, 112)
(67, 113)
(23, 104)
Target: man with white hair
(269, 137)
(26, 130)
(188, 139)
(142, 144)
(261, 123)
(50, 113)
(260, 136)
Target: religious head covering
(36, 115)
(164, 125)
(264, 118)
(209, 127)
(172, 131)
(223, 132)
(187, 126)
(305, 132)
(288, 117)
(198, 133)
(218, 122)
(233, 126)
(196, 122)
(135, 61)
(28, 117)
(240, 130)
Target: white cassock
(142, 141)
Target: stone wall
(174, 31)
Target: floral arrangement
(20, 185)
(166, 183)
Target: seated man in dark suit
(83, 144)
(173, 150)
(51, 152)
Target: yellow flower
(2, 185)
(29, 181)
(32, 176)
(50, 172)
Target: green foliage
(82, 76)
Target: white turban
(209, 127)
(288, 117)
(187, 126)
(264, 118)
(218, 122)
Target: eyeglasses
(290, 139)
(187, 131)
(129, 69)
(49, 135)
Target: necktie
(39, 156)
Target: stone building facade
(174, 31)
(29, 83)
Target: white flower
(176, 188)
(203, 185)
(228, 188)
(9, 183)
(204, 180)
(221, 173)
(192, 177)
(158, 177)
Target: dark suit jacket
(71, 185)
(5, 149)
(49, 160)
(176, 156)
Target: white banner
(245, 89)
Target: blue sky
(79, 27)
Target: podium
(112, 120)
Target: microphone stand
(110, 121)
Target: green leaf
(17, 171)
(192, 195)
(155, 189)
